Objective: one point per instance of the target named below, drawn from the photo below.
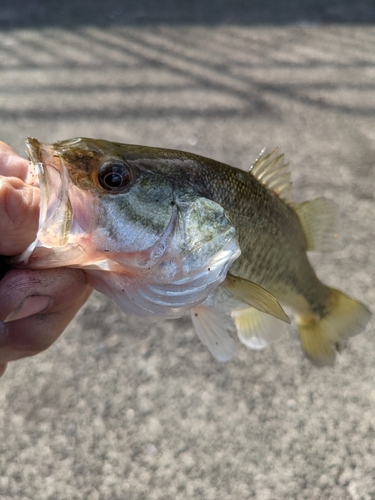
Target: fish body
(164, 231)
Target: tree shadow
(71, 13)
(89, 72)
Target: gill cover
(179, 270)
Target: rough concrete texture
(121, 408)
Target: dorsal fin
(272, 172)
(319, 219)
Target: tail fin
(321, 339)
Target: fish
(164, 232)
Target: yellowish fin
(255, 296)
(321, 339)
(319, 220)
(255, 329)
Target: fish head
(125, 214)
(88, 185)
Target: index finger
(12, 165)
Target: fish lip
(66, 214)
(33, 150)
(55, 210)
(45, 154)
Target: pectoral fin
(255, 296)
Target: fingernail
(29, 306)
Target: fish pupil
(113, 180)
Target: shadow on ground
(38, 13)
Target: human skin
(35, 305)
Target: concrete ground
(123, 409)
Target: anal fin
(255, 329)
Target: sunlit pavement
(121, 408)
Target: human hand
(35, 305)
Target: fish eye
(113, 177)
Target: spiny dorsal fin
(319, 219)
(272, 172)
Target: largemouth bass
(162, 232)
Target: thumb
(36, 306)
(19, 212)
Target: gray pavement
(121, 408)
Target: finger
(31, 335)
(19, 212)
(12, 165)
(62, 285)
(66, 290)
(4, 267)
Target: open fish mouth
(55, 218)
(63, 212)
